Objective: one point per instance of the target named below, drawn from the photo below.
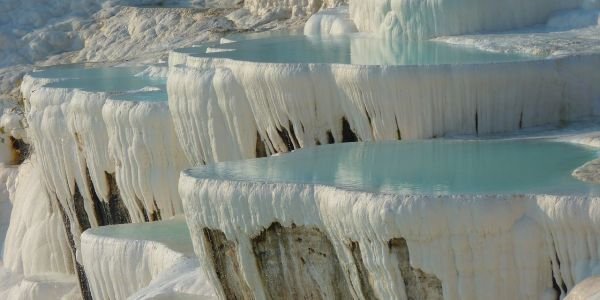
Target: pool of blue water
(149, 96)
(438, 167)
(358, 49)
(85, 71)
(172, 233)
(102, 79)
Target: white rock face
(588, 289)
(424, 19)
(43, 287)
(569, 32)
(330, 22)
(147, 157)
(7, 176)
(220, 106)
(296, 7)
(97, 180)
(492, 247)
(38, 263)
(141, 158)
(143, 261)
(56, 32)
(36, 242)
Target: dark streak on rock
(225, 260)
(118, 211)
(521, 121)
(261, 148)
(419, 285)
(287, 140)
(365, 282)
(330, 138)
(80, 213)
(476, 123)
(113, 212)
(299, 262)
(21, 150)
(81, 277)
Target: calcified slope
(295, 7)
(586, 290)
(424, 19)
(266, 238)
(37, 259)
(143, 261)
(217, 104)
(123, 144)
(330, 22)
(101, 179)
(144, 129)
(7, 175)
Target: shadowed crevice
(84, 286)
(80, 213)
(21, 150)
(261, 148)
(348, 136)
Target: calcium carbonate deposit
(299, 149)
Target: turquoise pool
(172, 233)
(439, 167)
(102, 79)
(348, 49)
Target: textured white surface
(142, 151)
(424, 19)
(37, 260)
(145, 150)
(119, 267)
(566, 33)
(218, 105)
(36, 241)
(330, 22)
(480, 247)
(38, 32)
(296, 7)
(7, 178)
(588, 289)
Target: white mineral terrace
(106, 149)
(269, 96)
(143, 261)
(458, 219)
(432, 18)
(119, 131)
(504, 203)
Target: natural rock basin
(493, 219)
(143, 261)
(279, 93)
(438, 167)
(120, 159)
(359, 49)
(106, 79)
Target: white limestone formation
(217, 104)
(143, 261)
(37, 259)
(425, 19)
(478, 247)
(330, 22)
(296, 7)
(147, 156)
